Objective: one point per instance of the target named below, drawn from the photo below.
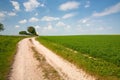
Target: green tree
(1, 27)
(23, 33)
(32, 30)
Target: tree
(23, 33)
(1, 27)
(32, 30)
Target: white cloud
(69, 5)
(23, 21)
(17, 26)
(5, 14)
(48, 28)
(12, 14)
(37, 26)
(101, 28)
(16, 5)
(84, 20)
(49, 18)
(42, 5)
(60, 24)
(108, 11)
(2, 15)
(32, 4)
(68, 15)
(33, 19)
(87, 4)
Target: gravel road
(28, 67)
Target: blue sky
(61, 17)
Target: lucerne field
(99, 55)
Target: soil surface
(33, 61)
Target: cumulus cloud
(69, 15)
(12, 14)
(69, 5)
(32, 4)
(5, 14)
(23, 21)
(17, 26)
(49, 27)
(87, 4)
(33, 19)
(108, 11)
(42, 5)
(16, 5)
(37, 26)
(84, 20)
(49, 18)
(2, 15)
(102, 28)
(60, 24)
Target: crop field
(98, 55)
(7, 51)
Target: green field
(98, 55)
(7, 51)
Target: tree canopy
(23, 33)
(32, 30)
(1, 27)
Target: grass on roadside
(7, 51)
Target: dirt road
(33, 61)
